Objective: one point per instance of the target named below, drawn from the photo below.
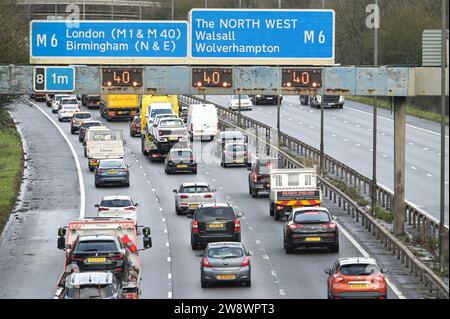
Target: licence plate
(119, 112)
(182, 166)
(359, 285)
(313, 239)
(173, 138)
(226, 277)
(112, 172)
(96, 260)
(215, 225)
(193, 205)
(239, 161)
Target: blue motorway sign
(262, 34)
(54, 79)
(107, 42)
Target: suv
(180, 160)
(214, 223)
(78, 119)
(259, 177)
(190, 195)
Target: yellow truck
(155, 104)
(119, 106)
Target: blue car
(112, 171)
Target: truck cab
(317, 101)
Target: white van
(202, 121)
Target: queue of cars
(215, 226)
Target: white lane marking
(311, 126)
(370, 150)
(357, 125)
(160, 209)
(169, 259)
(169, 276)
(258, 242)
(167, 244)
(169, 295)
(137, 160)
(140, 166)
(358, 145)
(384, 134)
(390, 120)
(266, 257)
(148, 182)
(301, 123)
(270, 112)
(290, 119)
(77, 163)
(290, 104)
(282, 292)
(145, 174)
(153, 190)
(165, 230)
(384, 155)
(273, 273)
(411, 143)
(213, 180)
(366, 254)
(163, 219)
(414, 168)
(345, 121)
(446, 183)
(429, 175)
(334, 135)
(251, 228)
(369, 129)
(345, 140)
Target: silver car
(225, 262)
(190, 195)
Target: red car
(135, 126)
(356, 278)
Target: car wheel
(85, 153)
(127, 184)
(248, 283)
(177, 210)
(289, 250)
(72, 131)
(194, 244)
(271, 212)
(254, 193)
(277, 216)
(334, 248)
(97, 185)
(249, 189)
(205, 284)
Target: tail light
(195, 226)
(130, 295)
(237, 225)
(117, 257)
(184, 196)
(338, 279)
(77, 258)
(130, 208)
(205, 262)
(254, 177)
(110, 113)
(245, 262)
(280, 207)
(329, 225)
(103, 209)
(378, 278)
(295, 226)
(208, 196)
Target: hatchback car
(225, 137)
(310, 227)
(112, 171)
(117, 206)
(135, 126)
(259, 177)
(85, 126)
(225, 262)
(180, 160)
(67, 108)
(78, 119)
(190, 195)
(245, 102)
(234, 154)
(214, 222)
(98, 253)
(57, 100)
(92, 285)
(356, 277)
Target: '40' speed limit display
(212, 77)
(128, 77)
(301, 78)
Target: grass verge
(11, 167)
(410, 109)
(350, 192)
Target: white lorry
(292, 188)
(102, 143)
(101, 245)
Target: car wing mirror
(146, 231)
(240, 214)
(175, 191)
(147, 242)
(61, 231)
(136, 204)
(327, 271)
(67, 246)
(249, 168)
(384, 270)
(190, 216)
(128, 165)
(97, 205)
(250, 253)
(61, 243)
(199, 254)
(335, 217)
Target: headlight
(258, 95)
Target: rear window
(237, 148)
(266, 165)
(104, 137)
(116, 203)
(90, 124)
(195, 189)
(359, 270)
(67, 101)
(180, 155)
(225, 252)
(173, 122)
(83, 115)
(313, 216)
(96, 246)
(160, 111)
(90, 292)
(111, 164)
(214, 213)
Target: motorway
(30, 263)
(350, 129)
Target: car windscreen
(96, 246)
(69, 101)
(359, 269)
(103, 137)
(160, 111)
(236, 148)
(90, 292)
(214, 213)
(180, 155)
(225, 252)
(266, 165)
(111, 164)
(116, 203)
(195, 189)
(83, 115)
(172, 122)
(59, 98)
(313, 216)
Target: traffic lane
(147, 214)
(300, 275)
(30, 263)
(185, 263)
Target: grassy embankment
(11, 166)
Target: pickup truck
(292, 188)
(101, 143)
(317, 101)
(117, 254)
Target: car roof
(215, 205)
(111, 159)
(90, 278)
(96, 237)
(84, 112)
(91, 121)
(110, 197)
(356, 260)
(180, 150)
(194, 184)
(302, 209)
(225, 244)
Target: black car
(90, 101)
(213, 223)
(98, 253)
(84, 127)
(112, 171)
(180, 160)
(265, 99)
(259, 177)
(310, 227)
